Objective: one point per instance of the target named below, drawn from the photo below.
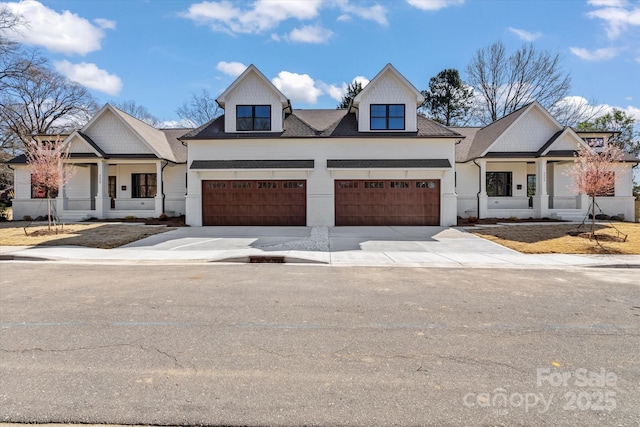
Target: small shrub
(473, 220)
(27, 218)
(129, 218)
(512, 218)
(163, 217)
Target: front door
(112, 191)
(531, 188)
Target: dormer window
(387, 117)
(253, 118)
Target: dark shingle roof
(321, 124)
(482, 139)
(178, 149)
(389, 163)
(252, 164)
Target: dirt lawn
(93, 235)
(553, 238)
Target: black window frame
(502, 185)
(141, 189)
(387, 116)
(253, 120)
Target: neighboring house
(378, 162)
(517, 167)
(122, 167)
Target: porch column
(483, 199)
(159, 196)
(541, 198)
(102, 196)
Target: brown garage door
(264, 202)
(387, 202)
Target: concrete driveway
(338, 246)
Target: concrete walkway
(336, 246)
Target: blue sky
(157, 52)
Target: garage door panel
(387, 202)
(259, 202)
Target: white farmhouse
(378, 162)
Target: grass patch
(553, 239)
(92, 235)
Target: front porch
(542, 188)
(111, 190)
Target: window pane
(263, 111)
(244, 111)
(378, 123)
(395, 123)
(396, 110)
(244, 123)
(378, 110)
(262, 123)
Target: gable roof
(480, 140)
(567, 131)
(164, 144)
(252, 69)
(388, 69)
(320, 124)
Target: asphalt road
(293, 345)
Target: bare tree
(48, 172)
(505, 83)
(199, 109)
(140, 112)
(593, 174)
(41, 101)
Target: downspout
(162, 181)
(479, 186)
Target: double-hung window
(253, 117)
(499, 184)
(387, 117)
(143, 185)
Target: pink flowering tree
(48, 171)
(593, 174)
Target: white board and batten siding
(320, 180)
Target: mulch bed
(172, 221)
(493, 221)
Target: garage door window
(374, 184)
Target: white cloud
(91, 76)
(376, 13)
(618, 3)
(310, 34)
(602, 54)
(105, 24)
(337, 92)
(525, 35)
(264, 14)
(63, 32)
(233, 69)
(434, 4)
(596, 110)
(297, 87)
(617, 16)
